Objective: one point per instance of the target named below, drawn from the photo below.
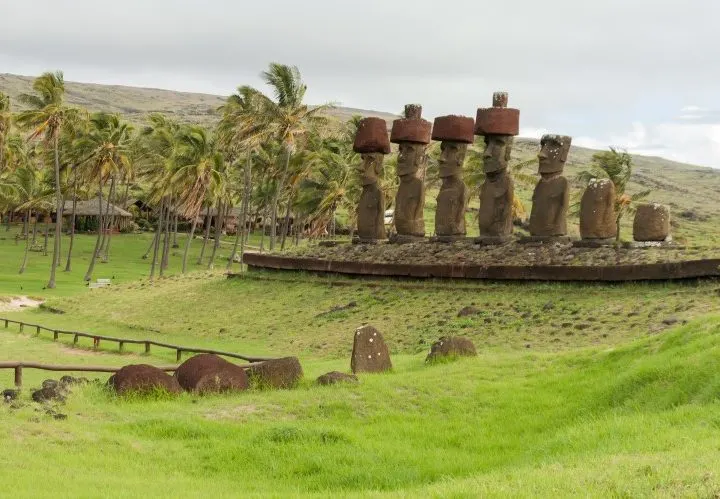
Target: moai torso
(597, 210)
(496, 202)
(451, 203)
(371, 213)
(549, 209)
(409, 204)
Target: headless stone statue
(455, 133)
(597, 211)
(552, 193)
(652, 223)
(371, 141)
(412, 133)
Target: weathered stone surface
(277, 373)
(454, 129)
(370, 353)
(371, 206)
(597, 210)
(548, 217)
(554, 150)
(496, 205)
(451, 346)
(411, 128)
(453, 196)
(143, 379)
(499, 119)
(10, 395)
(652, 222)
(372, 137)
(335, 377)
(208, 373)
(409, 204)
(468, 311)
(49, 394)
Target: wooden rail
(97, 338)
(18, 367)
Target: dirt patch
(18, 303)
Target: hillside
(689, 190)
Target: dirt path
(18, 303)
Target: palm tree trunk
(286, 222)
(150, 248)
(68, 264)
(46, 235)
(187, 244)
(276, 199)
(166, 241)
(106, 220)
(58, 215)
(156, 241)
(101, 224)
(242, 229)
(219, 222)
(26, 225)
(208, 219)
(111, 223)
(34, 238)
(175, 224)
(27, 249)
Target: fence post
(18, 376)
(121, 345)
(7, 323)
(37, 330)
(179, 355)
(75, 339)
(96, 343)
(147, 347)
(55, 335)
(22, 327)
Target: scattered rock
(370, 353)
(339, 308)
(10, 395)
(50, 384)
(451, 346)
(276, 373)
(467, 311)
(143, 379)
(48, 394)
(209, 373)
(549, 306)
(669, 321)
(335, 377)
(581, 327)
(66, 381)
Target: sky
(637, 74)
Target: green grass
(578, 390)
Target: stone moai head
(412, 133)
(455, 133)
(553, 153)
(498, 124)
(371, 141)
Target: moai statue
(412, 133)
(371, 141)
(498, 124)
(455, 133)
(598, 223)
(652, 223)
(552, 193)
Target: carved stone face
(371, 167)
(452, 157)
(553, 153)
(497, 152)
(410, 158)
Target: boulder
(10, 395)
(48, 394)
(451, 346)
(143, 379)
(652, 222)
(276, 373)
(335, 377)
(370, 353)
(209, 373)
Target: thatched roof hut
(91, 209)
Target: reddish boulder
(370, 353)
(143, 379)
(335, 377)
(209, 373)
(451, 346)
(277, 373)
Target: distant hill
(691, 191)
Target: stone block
(454, 129)
(372, 137)
(370, 353)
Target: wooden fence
(123, 341)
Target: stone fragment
(10, 395)
(143, 379)
(551, 197)
(372, 137)
(370, 353)
(335, 377)
(597, 210)
(451, 346)
(467, 311)
(48, 394)
(209, 373)
(277, 373)
(652, 223)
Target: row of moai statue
(498, 125)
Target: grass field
(578, 390)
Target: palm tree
(287, 119)
(46, 117)
(5, 119)
(617, 167)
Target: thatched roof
(90, 209)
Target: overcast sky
(640, 74)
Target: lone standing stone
(412, 133)
(552, 193)
(371, 141)
(498, 124)
(652, 223)
(597, 211)
(370, 353)
(455, 133)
